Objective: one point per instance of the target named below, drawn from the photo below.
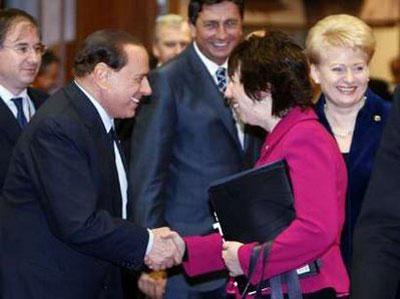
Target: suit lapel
(368, 123)
(9, 122)
(366, 126)
(108, 180)
(212, 95)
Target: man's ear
(101, 74)
(314, 73)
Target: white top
(212, 68)
(27, 104)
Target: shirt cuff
(150, 243)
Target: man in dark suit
(20, 55)
(63, 232)
(185, 137)
(376, 254)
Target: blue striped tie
(22, 121)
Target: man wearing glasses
(20, 57)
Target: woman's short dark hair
(195, 7)
(273, 62)
(103, 46)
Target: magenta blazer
(319, 182)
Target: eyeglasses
(23, 49)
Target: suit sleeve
(311, 163)
(69, 197)
(5, 156)
(151, 150)
(377, 234)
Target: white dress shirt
(27, 104)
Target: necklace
(339, 132)
(342, 134)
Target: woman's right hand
(230, 254)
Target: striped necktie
(22, 121)
(221, 79)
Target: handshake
(167, 250)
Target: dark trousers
(180, 287)
(129, 284)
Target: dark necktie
(221, 79)
(114, 138)
(20, 112)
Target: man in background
(185, 137)
(49, 73)
(20, 55)
(171, 36)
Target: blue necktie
(221, 79)
(20, 112)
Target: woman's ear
(263, 95)
(314, 73)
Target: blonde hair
(339, 31)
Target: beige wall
(387, 47)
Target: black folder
(254, 205)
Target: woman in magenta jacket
(269, 87)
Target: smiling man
(185, 137)
(63, 211)
(20, 55)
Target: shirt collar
(7, 95)
(211, 66)
(108, 122)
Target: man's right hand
(164, 252)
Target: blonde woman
(339, 48)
